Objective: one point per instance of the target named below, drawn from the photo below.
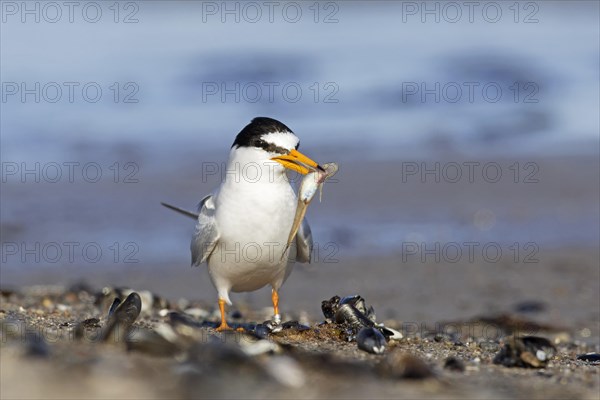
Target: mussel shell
(128, 311)
(355, 300)
(116, 302)
(370, 313)
(329, 307)
(371, 340)
(592, 358)
(359, 303)
(122, 318)
(349, 315)
(261, 331)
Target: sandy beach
(467, 313)
(552, 294)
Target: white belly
(254, 222)
(250, 271)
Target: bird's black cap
(252, 133)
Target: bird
(242, 227)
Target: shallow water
(376, 84)
(383, 77)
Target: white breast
(255, 208)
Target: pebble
(47, 303)
(164, 312)
(63, 307)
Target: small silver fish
(308, 188)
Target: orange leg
(223, 326)
(275, 299)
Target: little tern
(243, 226)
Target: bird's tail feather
(181, 210)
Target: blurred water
(362, 82)
(366, 67)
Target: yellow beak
(297, 161)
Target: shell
(592, 358)
(329, 307)
(371, 340)
(359, 303)
(349, 315)
(122, 317)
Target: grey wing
(304, 243)
(206, 234)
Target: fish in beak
(312, 182)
